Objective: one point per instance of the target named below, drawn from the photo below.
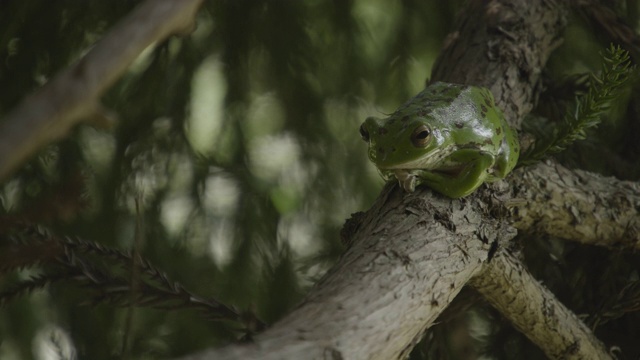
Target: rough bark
(535, 311)
(74, 95)
(576, 205)
(411, 255)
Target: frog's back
(487, 116)
(509, 148)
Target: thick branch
(411, 255)
(577, 205)
(535, 311)
(73, 95)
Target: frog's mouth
(452, 171)
(436, 158)
(409, 178)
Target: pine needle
(603, 89)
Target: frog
(449, 137)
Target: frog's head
(405, 140)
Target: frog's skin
(450, 137)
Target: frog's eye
(364, 133)
(421, 136)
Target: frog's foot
(406, 180)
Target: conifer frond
(29, 285)
(86, 264)
(616, 71)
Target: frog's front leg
(461, 180)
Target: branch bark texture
(535, 311)
(412, 254)
(577, 205)
(74, 95)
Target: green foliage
(603, 89)
(104, 272)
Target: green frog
(449, 137)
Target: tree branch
(74, 95)
(411, 255)
(576, 205)
(535, 311)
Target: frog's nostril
(381, 150)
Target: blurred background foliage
(237, 159)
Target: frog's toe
(407, 181)
(408, 184)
